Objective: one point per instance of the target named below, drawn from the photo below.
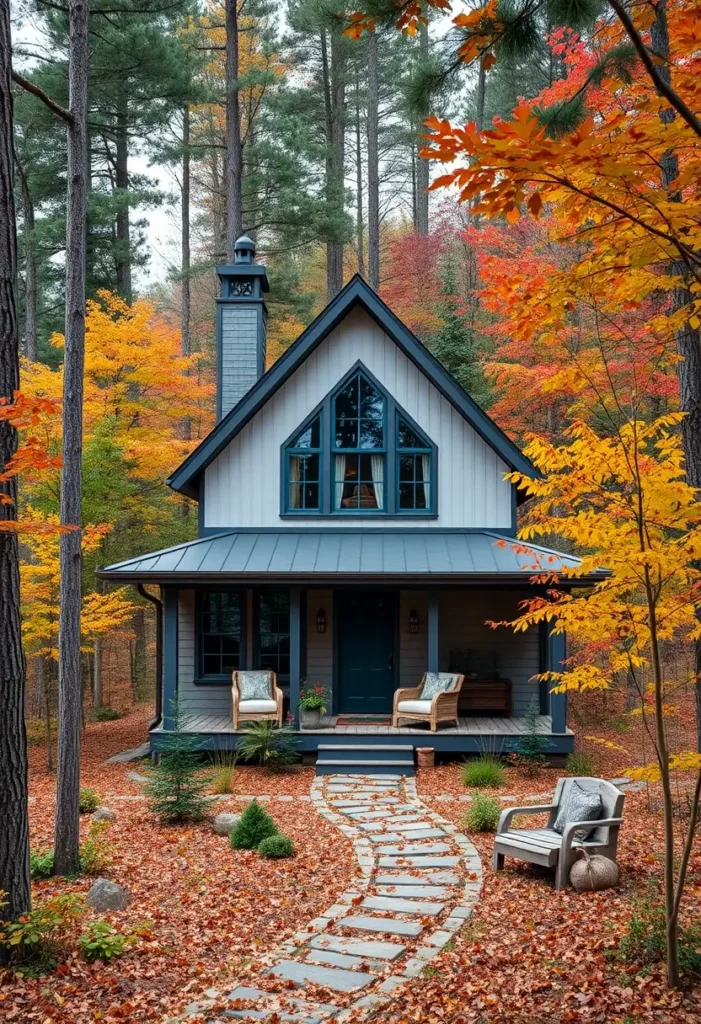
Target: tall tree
(67, 838)
(234, 146)
(185, 235)
(422, 171)
(334, 70)
(373, 162)
(14, 822)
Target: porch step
(363, 759)
(346, 767)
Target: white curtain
(340, 479)
(377, 465)
(295, 486)
(425, 472)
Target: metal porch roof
(341, 554)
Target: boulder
(224, 822)
(104, 895)
(104, 814)
(137, 777)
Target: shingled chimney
(241, 326)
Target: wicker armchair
(253, 710)
(408, 703)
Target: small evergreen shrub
(96, 851)
(275, 749)
(276, 846)
(254, 826)
(484, 772)
(41, 863)
(645, 942)
(105, 714)
(483, 814)
(580, 764)
(530, 752)
(89, 799)
(177, 782)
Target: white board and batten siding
(242, 485)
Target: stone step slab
(386, 837)
(418, 862)
(335, 978)
(419, 892)
(328, 956)
(427, 878)
(373, 813)
(373, 949)
(409, 849)
(310, 1013)
(416, 833)
(391, 926)
(399, 905)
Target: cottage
(355, 529)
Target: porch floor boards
(473, 726)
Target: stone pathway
(420, 880)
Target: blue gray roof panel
(300, 554)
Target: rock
(224, 822)
(135, 754)
(623, 781)
(137, 777)
(104, 814)
(104, 895)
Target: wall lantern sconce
(321, 621)
(413, 621)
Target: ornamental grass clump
(276, 847)
(224, 771)
(483, 814)
(484, 772)
(580, 764)
(254, 826)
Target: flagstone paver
(413, 865)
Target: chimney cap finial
(244, 249)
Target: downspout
(156, 720)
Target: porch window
(220, 632)
(274, 632)
(359, 447)
(414, 469)
(303, 465)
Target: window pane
(406, 467)
(212, 665)
(346, 433)
(406, 496)
(408, 438)
(371, 401)
(347, 400)
(311, 467)
(220, 623)
(211, 644)
(311, 496)
(371, 434)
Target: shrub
(177, 782)
(484, 772)
(275, 749)
(104, 714)
(580, 763)
(530, 751)
(254, 826)
(645, 942)
(95, 850)
(41, 863)
(224, 771)
(276, 846)
(483, 814)
(89, 799)
(102, 941)
(41, 927)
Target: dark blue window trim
(201, 679)
(393, 413)
(428, 448)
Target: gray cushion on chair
(254, 686)
(434, 683)
(578, 804)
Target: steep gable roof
(357, 292)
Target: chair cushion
(577, 804)
(414, 707)
(254, 685)
(435, 683)
(257, 707)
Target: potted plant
(312, 705)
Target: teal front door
(366, 628)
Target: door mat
(364, 720)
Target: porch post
(170, 653)
(295, 651)
(432, 629)
(557, 653)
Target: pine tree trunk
(359, 222)
(44, 680)
(481, 96)
(66, 841)
(121, 178)
(14, 824)
(373, 164)
(688, 338)
(185, 346)
(422, 176)
(30, 270)
(97, 674)
(333, 68)
(234, 148)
